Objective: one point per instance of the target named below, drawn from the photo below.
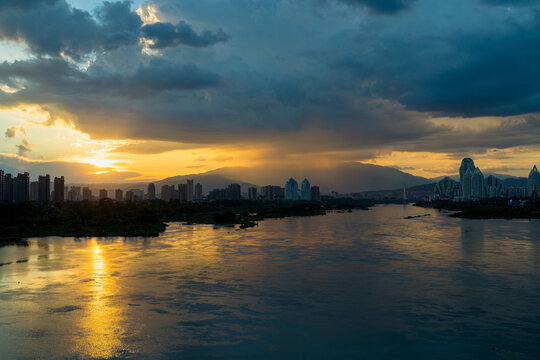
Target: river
(360, 285)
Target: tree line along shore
(148, 218)
(487, 209)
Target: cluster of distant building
(20, 189)
(474, 186)
(305, 193)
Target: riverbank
(148, 218)
(488, 209)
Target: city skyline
(20, 188)
(100, 104)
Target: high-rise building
(478, 185)
(252, 193)
(291, 190)
(182, 192)
(138, 194)
(198, 192)
(315, 193)
(495, 187)
(446, 189)
(267, 192)
(534, 179)
(234, 191)
(189, 191)
(151, 191)
(466, 164)
(130, 196)
(103, 194)
(44, 192)
(58, 188)
(306, 190)
(86, 194)
(21, 188)
(8, 188)
(118, 195)
(466, 184)
(166, 192)
(34, 191)
(74, 194)
(517, 192)
(2, 184)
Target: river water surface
(360, 285)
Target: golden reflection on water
(101, 325)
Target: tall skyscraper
(130, 196)
(34, 191)
(534, 179)
(44, 191)
(189, 191)
(268, 193)
(103, 194)
(495, 187)
(306, 190)
(234, 192)
(58, 190)
(8, 188)
(138, 194)
(198, 192)
(74, 194)
(466, 184)
(478, 189)
(2, 184)
(291, 190)
(446, 189)
(118, 195)
(86, 194)
(21, 188)
(182, 192)
(252, 193)
(151, 191)
(315, 193)
(166, 192)
(466, 164)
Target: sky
(142, 90)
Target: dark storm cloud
(22, 4)
(51, 29)
(492, 72)
(167, 35)
(510, 2)
(56, 80)
(381, 6)
(54, 28)
(308, 83)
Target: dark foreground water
(364, 285)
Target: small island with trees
(487, 208)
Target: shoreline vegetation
(149, 218)
(485, 209)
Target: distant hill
(516, 182)
(417, 192)
(209, 181)
(343, 177)
(500, 176)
